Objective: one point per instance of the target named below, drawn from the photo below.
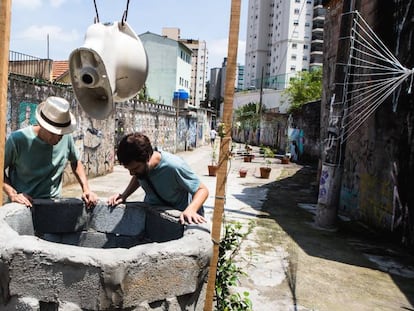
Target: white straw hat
(53, 114)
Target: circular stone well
(129, 257)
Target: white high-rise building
(278, 43)
(199, 63)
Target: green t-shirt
(174, 181)
(35, 167)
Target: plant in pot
(248, 156)
(212, 168)
(265, 170)
(242, 172)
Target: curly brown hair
(134, 147)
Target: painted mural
(295, 137)
(27, 114)
(96, 140)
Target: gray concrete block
(123, 219)
(48, 279)
(59, 215)
(162, 224)
(21, 304)
(19, 218)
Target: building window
(297, 11)
(305, 46)
(294, 46)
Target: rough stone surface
(104, 279)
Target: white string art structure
(373, 73)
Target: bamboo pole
(5, 17)
(224, 148)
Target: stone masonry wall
(93, 138)
(372, 152)
(96, 139)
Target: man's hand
(90, 198)
(191, 217)
(22, 198)
(116, 199)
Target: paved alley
(291, 264)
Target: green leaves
(305, 87)
(228, 272)
(248, 116)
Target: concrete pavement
(291, 264)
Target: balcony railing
(30, 66)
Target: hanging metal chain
(96, 11)
(125, 15)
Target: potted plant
(286, 159)
(265, 170)
(247, 156)
(242, 172)
(212, 168)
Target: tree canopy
(305, 87)
(249, 115)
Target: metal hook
(125, 15)
(96, 19)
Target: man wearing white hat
(36, 156)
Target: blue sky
(66, 22)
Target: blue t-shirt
(173, 179)
(35, 167)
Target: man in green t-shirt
(36, 156)
(166, 179)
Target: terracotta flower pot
(265, 172)
(242, 173)
(285, 160)
(212, 170)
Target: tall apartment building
(199, 64)
(278, 43)
(316, 55)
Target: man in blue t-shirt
(166, 179)
(36, 156)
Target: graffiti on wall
(375, 200)
(324, 184)
(349, 193)
(192, 131)
(295, 137)
(27, 114)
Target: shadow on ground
(351, 244)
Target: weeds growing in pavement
(228, 272)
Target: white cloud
(28, 4)
(56, 3)
(56, 33)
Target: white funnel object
(110, 67)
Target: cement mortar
(33, 269)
